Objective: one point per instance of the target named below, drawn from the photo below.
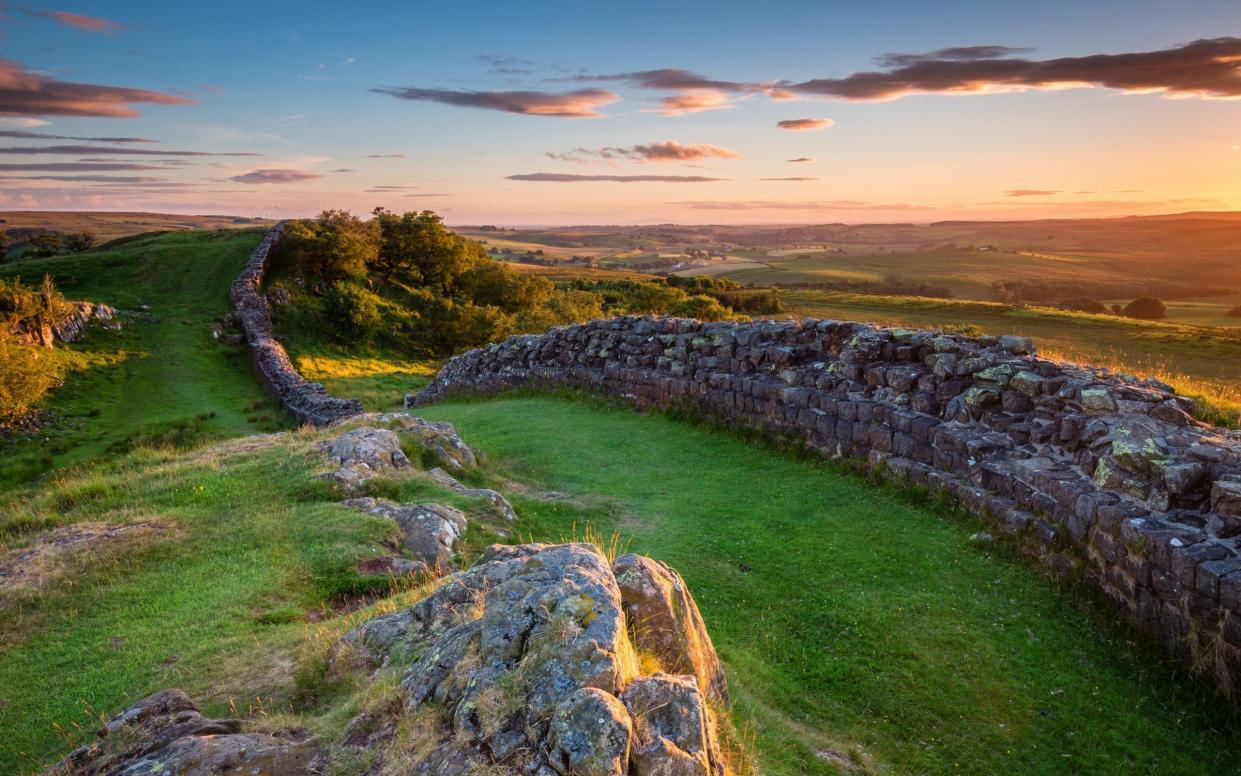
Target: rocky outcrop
(527, 661)
(69, 326)
(309, 402)
(1096, 472)
(166, 734)
(428, 530)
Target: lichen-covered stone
(428, 530)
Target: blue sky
(295, 85)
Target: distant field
(110, 226)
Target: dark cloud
(552, 177)
(667, 151)
(275, 176)
(1202, 68)
(694, 92)
(344, 169)
(17, 133)
(77, 167)
(1030, 192)
(23, 93)
(80, 150)
(800, 159)
(580, 103)
(788, 179)
(804, 125)
(958, 53)
(88, 23)
(385, 156)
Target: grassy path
(853, 621)
(163, 369)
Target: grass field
(162, 373)
(110, 226)
(849, 619)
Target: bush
(702, 307)
(1147, 308)
(46, 244)
(81, 241)
(351, 312)
(28, 373)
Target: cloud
(426, 195)
(24, 93)
(1206, 68)
(385, 156)
(9, 121)
(1030, 192)
(788, 179)
(275, 176)
(128, 179)
(501, 65)
(694, 92)
(577, 104)
(80, 21)
(804, 125)
(81, 150)
(836, 204)
(391, 188)
(667, 151)
(344, 169)
(552, 177)
(800, 159)
(41, 136)
(78, 167)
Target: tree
(1147, 308)
(351, 311)
(46, 244)
(418, 249)
(336, 245)
(81, 241)
(28, 374)
(5, 242)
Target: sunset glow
(491, 115)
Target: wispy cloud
(1203, 68)
(552, 177)
(501, 65)
(272, 175)
(17, 133)
(580, 103)
(667, 151)
(1030, 192)
(79, 21)
(693, 92)
(80, 150)
(78, 167)
(128, 179)
(836, 204)
(25, 93)
(800, 159)
(385, 156)
(788, 179)
(804, 125)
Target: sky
(624, 113)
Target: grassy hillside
(162, 374)
(850, 620)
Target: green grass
(864, 620)
(163, 368)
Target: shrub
(81, 241)
(28, 373)
(702, 307)
(351, 312)
(1147, 308)
(46, 244)
(5, 242)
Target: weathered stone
(165, 734)
(590, 735)
(428, 530)
(1098, 399)
(375, 449)
(665, 621)
(672, 731)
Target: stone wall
(309, 402)
(1099, 474)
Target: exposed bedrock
(308, 401)
(1097, 472)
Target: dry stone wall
(1097, 473)
(308, 401)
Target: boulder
(375, 449)
(166, 734)
(671, 727)
(428, 530)
(499, 504)
(527, 658)
(666, 622)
